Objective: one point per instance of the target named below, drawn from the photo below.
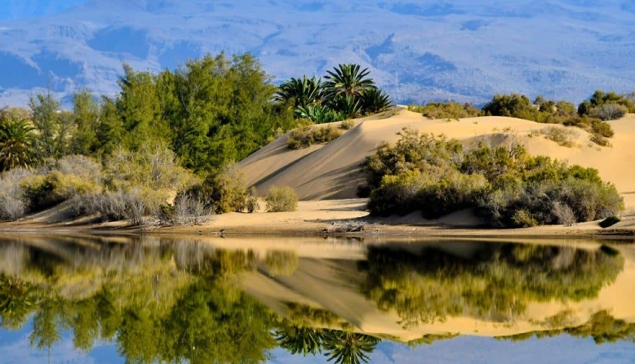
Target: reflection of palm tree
(349, 348)
(299, 340)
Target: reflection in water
(497, 282)
(169, 300)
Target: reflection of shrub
(602, 327)
(281, 199)
(609, 221)
(307, 315)
(307, 136)
(281, 263)
(500, 280)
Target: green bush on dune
(505, 185)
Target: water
(90, 299)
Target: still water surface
(95, 299)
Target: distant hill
(462, 50)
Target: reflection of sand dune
(334, 286)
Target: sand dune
(332, 171)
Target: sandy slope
(332, 171)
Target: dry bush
(12, 206)
(564, 213)
(600, 140)
(133, 204)
(347, 124)
(564, 137)
(307, 136)
(187, 210)
(81, 166)
(281, 199)
(609, 111)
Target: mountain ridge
(423, 51)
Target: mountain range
(418, 51)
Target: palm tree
(305, 91)
(375, 101)
(347, 79)
(17, 144)
(318, 114)
(349, 348)
(299, 340)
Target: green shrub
(412, 190)
(602, 128)
(45, 191)
(601, 104)
(307, 136)
(446, 110)
(609, 221)
(281, 199)
(153, 166)
(508, 187)
(221, 192)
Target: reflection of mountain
(167, 299)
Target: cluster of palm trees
(340, 347)
(346, 92)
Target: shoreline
(346, 218)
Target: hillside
(332, 171)
(417, 51)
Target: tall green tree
(53, 126)
(220, 110)
(86, 122)
(140, 109)
(110, 130)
